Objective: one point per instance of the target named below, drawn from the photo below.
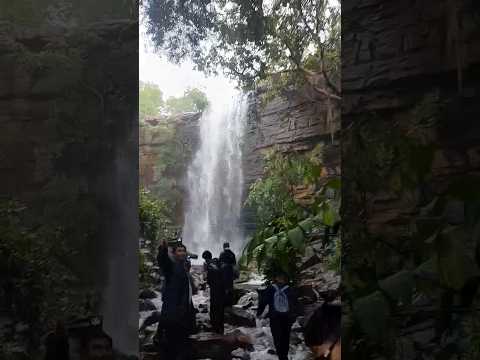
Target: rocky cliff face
(294, 122)
(166, 149)
(410, 71)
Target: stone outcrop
(167, 145)
(296, 121)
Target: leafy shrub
(36, 279)
(284, 224)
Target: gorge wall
(167, 145)
(295, 122)
(410, 159)
(68, 149)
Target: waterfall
(215, 178)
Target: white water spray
(215, 177)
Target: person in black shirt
(228, 263)
(177, 306)
(283, 309)
(215, 280)
(227, 256)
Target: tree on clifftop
(150, 100)
(278, 42)
(193, 100)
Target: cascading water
(215, 177)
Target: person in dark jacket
(215, 280)
(228, 262)
(177, 306)
(283, 308)
(227, 256)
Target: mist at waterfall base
(215, 176)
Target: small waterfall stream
(215, 177)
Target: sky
(174, 79)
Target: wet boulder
(312, 261)
(240, 317)
(203, 308)
(238, 293)
(248, 300)
(146, 305)
(219, 347)
(147, 294)
(307, 294)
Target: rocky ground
(317, 285)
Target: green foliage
(334, 261)
(272, 195)
(35, 271)
(284, 224)
(432, 256)
(193, 100)
(65, 13)
(150, 100)
(250, 40)
(153, 215)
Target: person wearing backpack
(283, 309)
(216, 283)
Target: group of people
(177, 317)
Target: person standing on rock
(215, 281)
(228, 263)
(227, 256)
(177, 307)
(283, 310)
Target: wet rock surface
(237, 316)
(246, 337)
(147, 294)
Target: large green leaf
(282, 243)
(270, 243)
(399, 286)
(329, 216)
(372, 313)
(297, 239)
(455, 265)
(335, 184)
(258, 250)
(306, 225)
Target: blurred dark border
(411, 179)
(68, 170)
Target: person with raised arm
(177, 307)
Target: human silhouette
(215, 280)
(177, 306)
(283, 308)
